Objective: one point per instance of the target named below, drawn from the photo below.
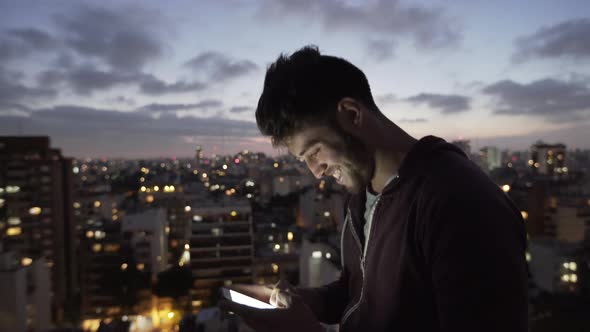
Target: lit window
(140, 266)
(197, 218)
(573, 278)
(326, 213)
(328, 255)
(233, 213)
(97, 247)
(149, 198)
(290, 236)
(12, 189)
(276, 165)
(13, 221)
(573, 266)
(124, 266)
(26, 261)
(76, 205)
(316, 254)
(13, 231)
(277, 247)
(35, 211)
(275, 268)
(89, 234)
(187, 208)
(76, 170)
(96, 204)
(156, 188)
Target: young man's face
(331, 152)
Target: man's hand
(292, 314)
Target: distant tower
(198, 154)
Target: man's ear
(350, 114)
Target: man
(429, 242)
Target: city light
(170, 315)
(187, 208)
(156, 188)
(328, 255)
(224, 166)
(140, 266)
(35, 211)
(233, 213)
(76, 170)
(2, 202)
(12, 189)
(276, 165)
(277, 247)
(197, 218)
(26, 261)
(97, 204)
(275, 268)
(506, 188)
(149, 198)
(326, 213)
(249, 183)
(524, 214)
(124, 266)
(142, 188)
(187, 246)
(89, 234)
(290, 236)
(14, 221)
(316, 254)
(97, 247)
(13, 231)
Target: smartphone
(244, 299)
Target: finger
(283, 284)
(280, 298)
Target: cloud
(12, 90)
(568, 39)
(416, 120)
(218, 67)
(380, 49)
(85, 80)
(202, 105)
(124, 39)
(550, 98)
(151, 85)
(240, 109)
(386, 98)
(34, 38)
(448, 104)
(388, 19)
(87, 131)
(16, 44)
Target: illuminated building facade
(36, 214)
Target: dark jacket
(446, 252)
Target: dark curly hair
(304, 89)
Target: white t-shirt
(370, 204)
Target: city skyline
(148, 80)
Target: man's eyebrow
(308, 145)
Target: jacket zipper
(362, 263)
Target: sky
(143, 79)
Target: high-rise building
(548, 159)
(36, 214)
(221, 248)
(198, 155)
(491, 157)
(25, 288)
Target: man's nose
(317, 169)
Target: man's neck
(388, 156)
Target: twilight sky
(155, 78)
